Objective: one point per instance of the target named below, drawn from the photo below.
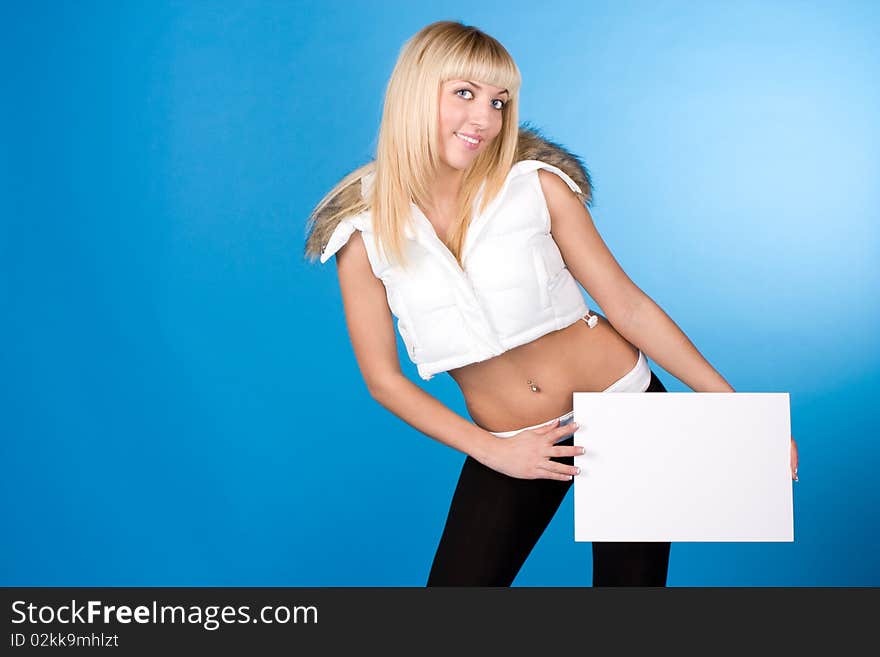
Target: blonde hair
(407, 148)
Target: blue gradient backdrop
(180, 400)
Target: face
(468, 109)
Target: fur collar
(530, 146)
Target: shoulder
(353, 251)
(335, 235)
(566, 206)
(559, 190)
(554, 186)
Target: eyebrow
(503, 91)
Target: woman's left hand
(794, 459)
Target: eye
(499, 107)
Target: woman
(449, 230)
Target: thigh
(632, 563)
(494, 521)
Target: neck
(446, 187)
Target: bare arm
(662, 340)
(424, 412)
(632, 312)
(371, 328)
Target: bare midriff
(573, 359)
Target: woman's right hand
(526, 455)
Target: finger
(562, 431)
(544, 428)
(564, 450)
(553, 475)
(560, 468)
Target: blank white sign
(683, 466)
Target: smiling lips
(470, 142)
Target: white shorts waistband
(636, 380)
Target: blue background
(180, 400)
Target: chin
(458, 165)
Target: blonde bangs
(470, 57)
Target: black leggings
(495, 520)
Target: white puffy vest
(513, 289)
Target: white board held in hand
(678, 466)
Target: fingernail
(583, 450)
(578, 471)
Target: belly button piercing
(533, 386)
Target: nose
(480, 117)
